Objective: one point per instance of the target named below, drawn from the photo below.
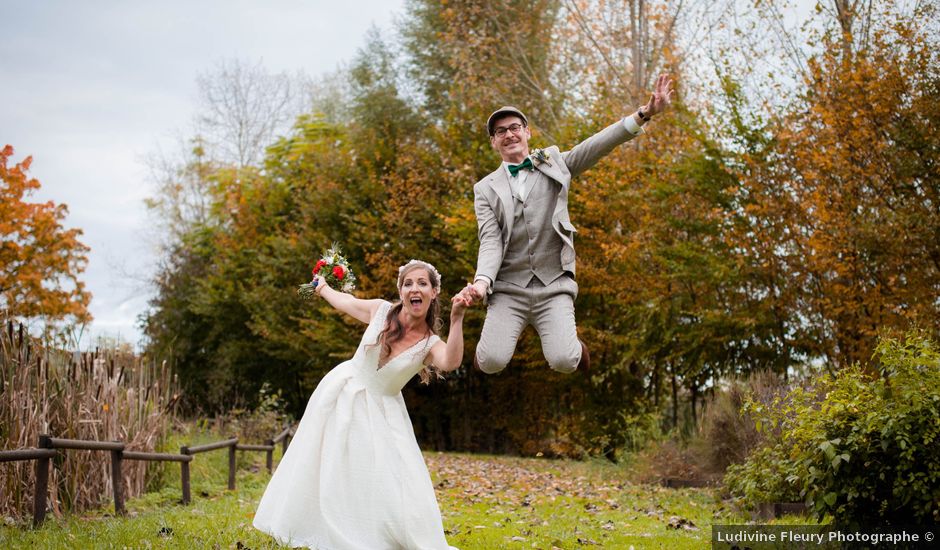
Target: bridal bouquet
(333, 267)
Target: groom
(526, 261)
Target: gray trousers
(550, 309)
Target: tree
(198, 319)
(40, 260)
(243, 109)
(841, 186)
(183, 197)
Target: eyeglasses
(515, 128)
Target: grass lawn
(487, 502)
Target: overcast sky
(90, 88)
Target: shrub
(668, 459)
(860, 446)
(640, 429)
(261, 423)
(726, 433)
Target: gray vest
(534, 247)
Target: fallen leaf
(675, 522)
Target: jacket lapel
(552, 171)
(552, 168)
(499, 181)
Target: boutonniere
(540, 157)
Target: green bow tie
(514, 168)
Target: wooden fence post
(117, 482)
(269, 455)
(42, 483)
(231, 466)
(184, 476)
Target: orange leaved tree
(39, 259)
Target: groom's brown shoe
(585, 363)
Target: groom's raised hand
(661, 96)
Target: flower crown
(431, 269)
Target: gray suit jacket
(492, 199)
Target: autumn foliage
(40, 260)
(736, 236)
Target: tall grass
(726, 433)
(106, 395)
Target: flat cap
(501, 112)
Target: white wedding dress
(353, 477)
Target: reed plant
(106, 395)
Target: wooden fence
(48, 448)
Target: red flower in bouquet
(339, 272)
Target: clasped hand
(460, 302)
(473, 293)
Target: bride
(353, 476)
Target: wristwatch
(643, 116)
